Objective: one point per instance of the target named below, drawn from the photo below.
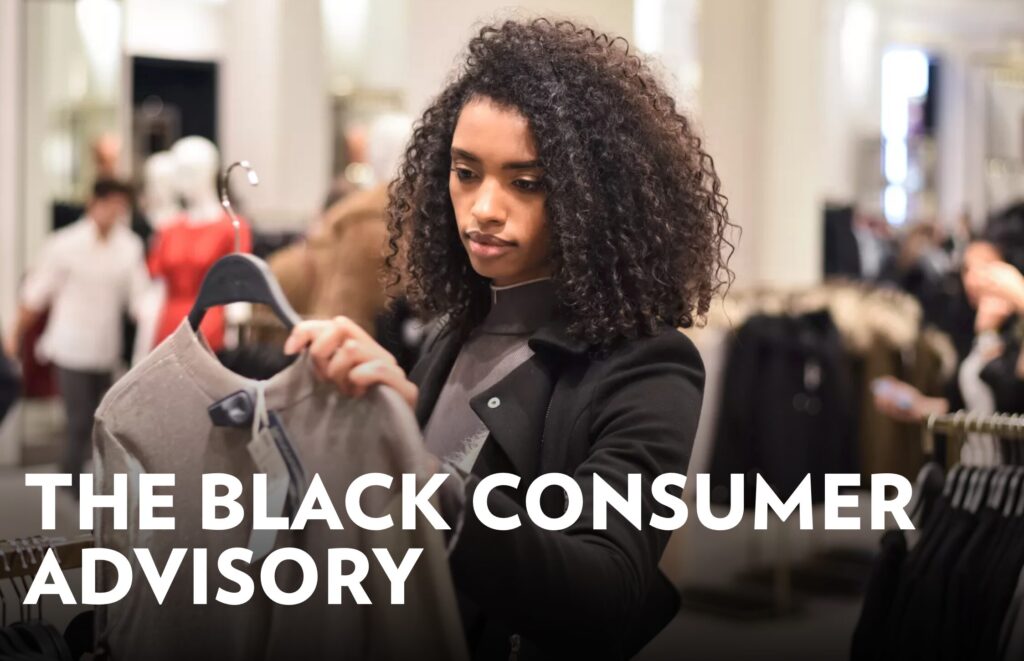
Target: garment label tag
(297, 482)
(267, 457)
(266, 454)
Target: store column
(11, 18)
(761, 104)
(274, 107)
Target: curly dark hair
(637, 218)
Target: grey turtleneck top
(497, 346)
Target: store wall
(273, 91)
(761, 100)
(439, 30)
(180, 30)
(962, 36)
(69, 95)
(11, 16)
(275, 107)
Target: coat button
(493, 403)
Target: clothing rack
(1004, 425)
(22, 556)
(961, 596)
(956, 426)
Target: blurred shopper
(923, 266)
(991, 377)
(87, 275)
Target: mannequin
(198, 166)
(160, 203)
(191, 242)
(388, 135)
(161, 189)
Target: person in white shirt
(88, 274)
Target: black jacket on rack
(951, 596)
(787, 406)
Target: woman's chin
(488, 269)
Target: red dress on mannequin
(182, 254)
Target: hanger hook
(225, 199)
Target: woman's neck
(520, 308)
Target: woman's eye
(463, 174)
(528, 185)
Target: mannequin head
(160, 173)
(198, 162)
(387, 138)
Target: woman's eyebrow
(464, 155)
(512, 165)
(521, 165)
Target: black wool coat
(531, 593)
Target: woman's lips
(487, 245)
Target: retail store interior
(865, 147)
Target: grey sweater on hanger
(155, 420)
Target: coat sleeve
(582, 582)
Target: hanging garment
(182, 254)
(38, 376)
(1011, 644)
(869, 635)
(336, 270)
(955, 590)
(786, 406)
(10, 386)
(155, 420)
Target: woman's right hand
(347, 356)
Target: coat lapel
(513, 410)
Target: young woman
(560, 215)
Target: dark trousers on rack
(82, 392)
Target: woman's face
(497, 193)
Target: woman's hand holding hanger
(347, 356)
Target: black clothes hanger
(1019, 504)
(984, 487)
(964, 481)
(928, 486)
(949, 488)
(1012, 490)
(240, 278)
(998, 487)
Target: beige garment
(348, 255)
(155, 420)
(336, 270)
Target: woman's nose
(488, 206)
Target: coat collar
(516, 422)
